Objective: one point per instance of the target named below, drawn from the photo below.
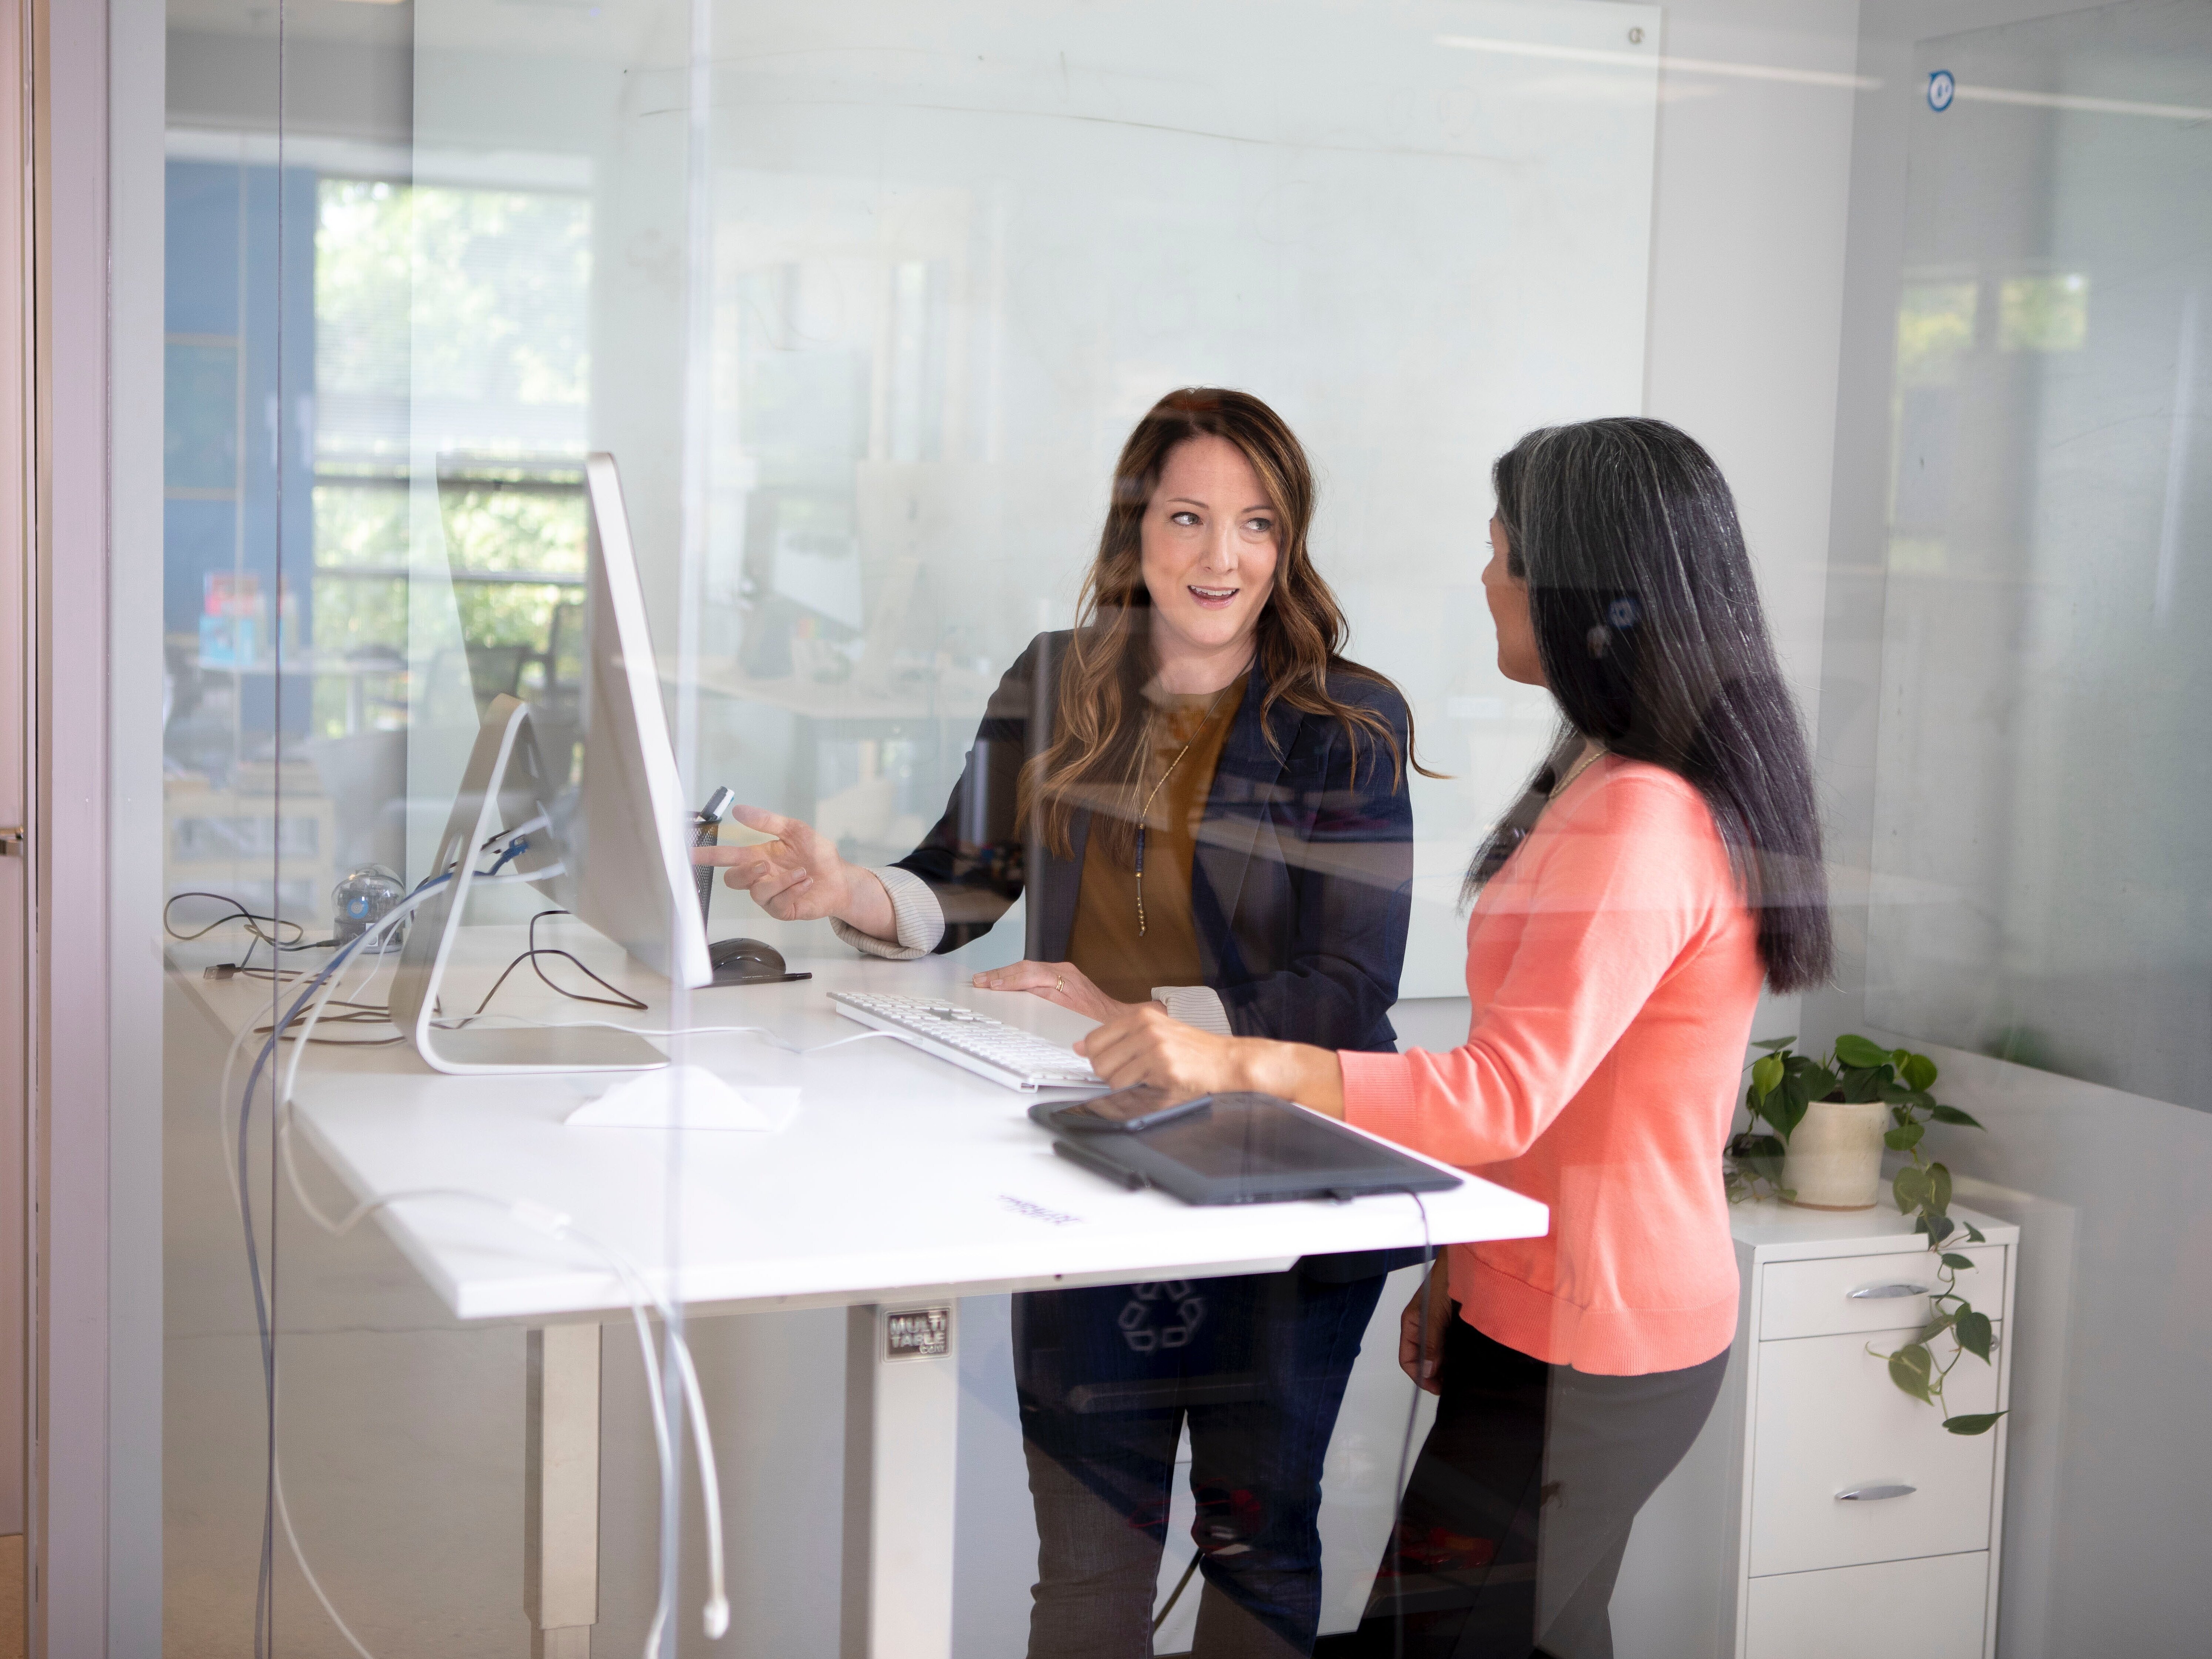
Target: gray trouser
(1519, 1509)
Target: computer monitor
(614, 848)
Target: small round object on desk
(362, 898)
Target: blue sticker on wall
(1941, 88)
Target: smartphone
(1125, 1110)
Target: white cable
(284, 1514)
(715, 1615)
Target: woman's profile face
(1210, 540)
(1508, 612)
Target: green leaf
(1819, 1082)
(1939, 1188)
(1772, 1044)
(1785, 1107)
(1953, 1114)
(1761, 1155)
(1975, 1233)
(1909, 1368)
(1911, 1186)
(1861, 1083)
(1905, 1139)
(1936, 1326)
(1859, 1053)
(1973, 1422)
(1975, 1335)
(1957, 1263)
(1764, 1074)
(1918, 1070)
(1939, 1228)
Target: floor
(12, 1631)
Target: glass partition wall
(859, 305)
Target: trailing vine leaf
(1905, 1139)
(1939, 1189)
(1772, 1043)
(1976, 1234)
(1909, 1187)
(1917, 1071)
(1936, 1326)
(1973, 1422)
(1974, 1333)
(1909, 1369)
(1953, 1114)
(1955, 1262)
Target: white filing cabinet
(1750, 1549)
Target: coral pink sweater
(1613, 968)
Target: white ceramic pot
(1834, 1160)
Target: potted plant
(1815, 1152)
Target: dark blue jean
(1107, 1377)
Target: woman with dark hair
(1205, 803)
(1663, 864)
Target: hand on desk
(799, 876)
(1146, 1046)
(1059, 983)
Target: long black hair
(1653, 642)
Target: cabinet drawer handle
(1874, 1494)
(1875, 1293)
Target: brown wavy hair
(1092, 760)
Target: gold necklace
(1145, 813)
(1581, 767)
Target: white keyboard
(975, 1042)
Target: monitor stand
(500, 786)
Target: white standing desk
(903, 1184)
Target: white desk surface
(900, 1175)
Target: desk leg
(560, 1491)
(902, 1416)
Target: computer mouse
(745, 958)
(749, 961)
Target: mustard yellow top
(1103, 941)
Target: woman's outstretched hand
(1421, 1336)
(1060, 983)
(799, 876)
(1147, 1046)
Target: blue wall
(225, 287)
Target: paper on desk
(686, 1097)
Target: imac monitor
(626, 837)
(614, 848)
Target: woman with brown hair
(1205, 803)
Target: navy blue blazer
(1301, 884)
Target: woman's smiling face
(1210, 542)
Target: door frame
(92, 177)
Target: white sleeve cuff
(1196, 1005)
(919, 919)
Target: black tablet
(1247, 1149)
